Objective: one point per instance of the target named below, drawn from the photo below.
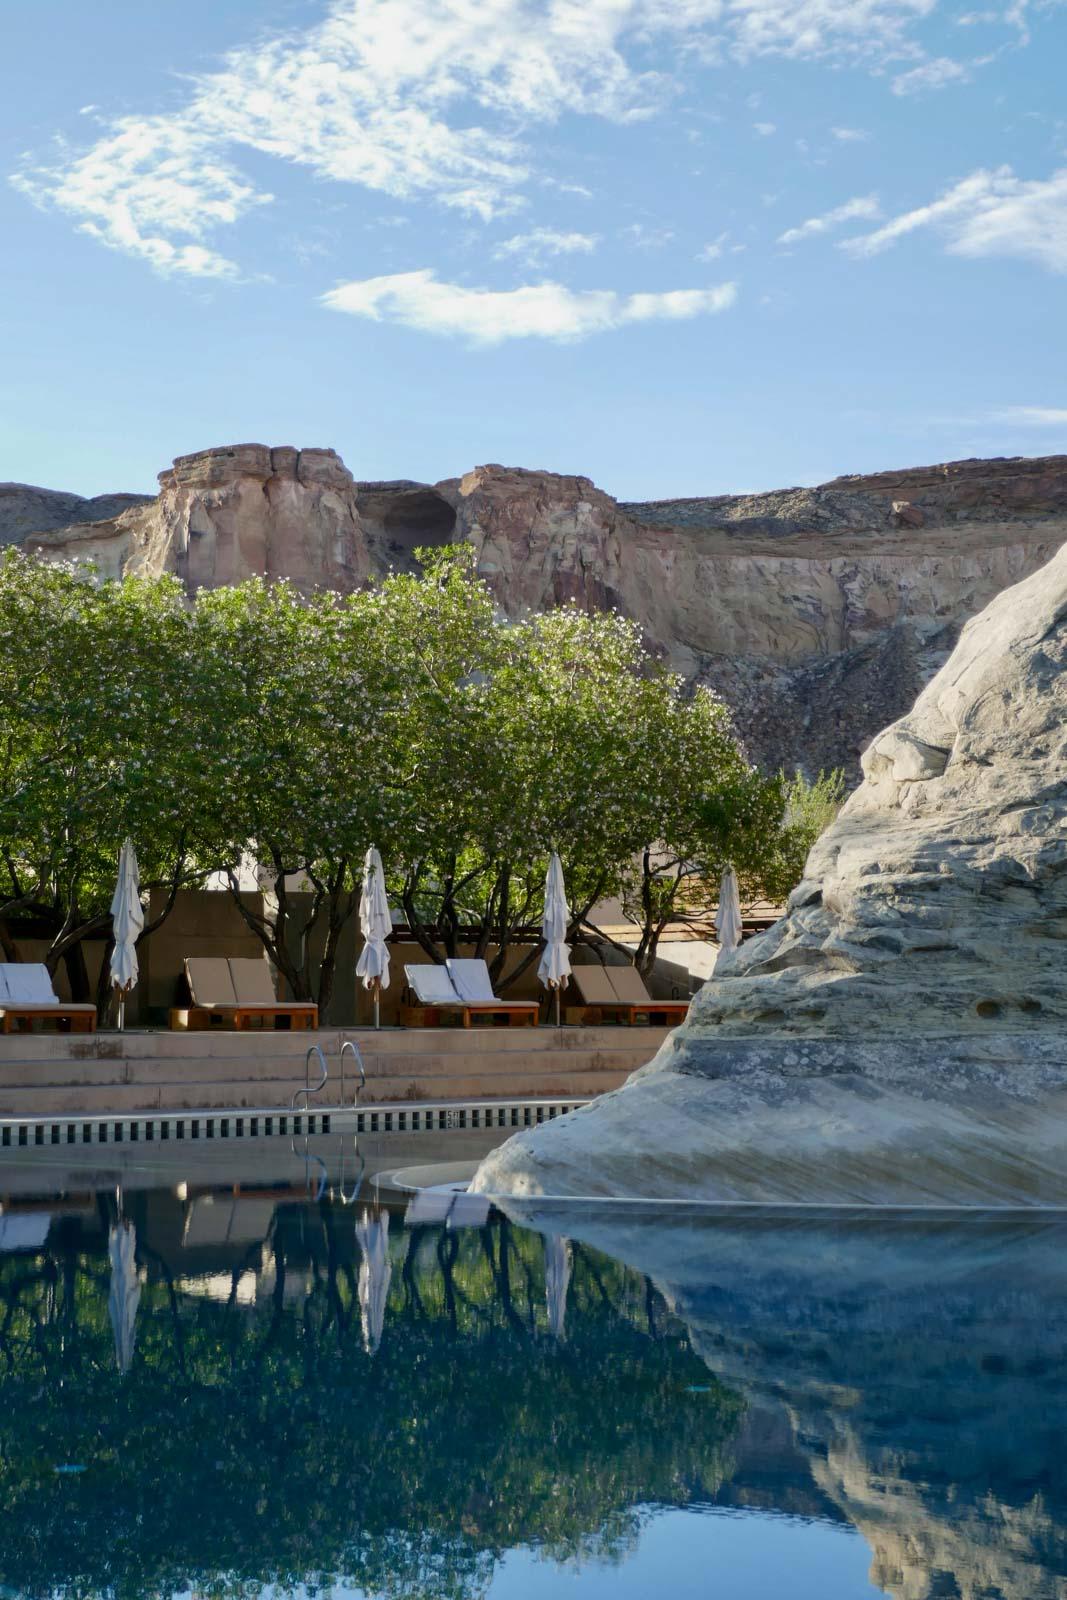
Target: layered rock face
(817, 613)
(225, 515)
(900, 1037)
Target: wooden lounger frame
(502, 1014)
(295, 1014)
(657, 1013)
(69, 1019)
(240, 1014)
(628, 1008)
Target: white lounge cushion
(28, 984)
(431, 985)
(471, 979)
(48, 1005)
(473, 984)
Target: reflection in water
(306, 1395)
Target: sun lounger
(27, 995)
(442, 993)
(619, 992)
(238, 994)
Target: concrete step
(163, 1045)
(624, 1056)
(98, 1099)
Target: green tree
(301, 721)
(808, 808)
(95, 745)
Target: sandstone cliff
(25, 509)
(899, 1036)
(817, 613)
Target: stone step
(625, 1056)
(96, 1099)
(163, 1045)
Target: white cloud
(1033, 416)
(937, 74)
(713, 250)
(864, 205)
(851, 135)
(147, 188)
(858, 29)
(645, 238)
(542, 242)
(420, 98)
(541, 311)
(765, 129)
(989, 213)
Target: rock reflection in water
(918, 1367)
(902, 1377)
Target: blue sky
(681, 246)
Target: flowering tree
(95, 746)
(295, 732)
(300, 723)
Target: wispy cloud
(989, 213)
(936, 74)
(644, 237)
(864, 205)
(1032, 416)
(765, 129)
(541, 311)
(851, 135)
(419, 99)
(540, 243)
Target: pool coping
(244, 1122)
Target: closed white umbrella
(555, 968)
(127, 921)
(376, 924)
(375, 1273)
(125, 1293)
(728, 915)
(557, 1282)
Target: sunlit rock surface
(901, 1035)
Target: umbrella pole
(377, 992)
(557, 1005)
(122, 1012)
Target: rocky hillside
(25, 510)
(818, 613)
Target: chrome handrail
(307, 1156)
(350, 1198)
(357, 1057)
(309, 1089)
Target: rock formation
(900, 1036)
(817, 613)
(25, 510)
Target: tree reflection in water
(254, 1441)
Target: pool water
(267, 1383)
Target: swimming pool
(259, 1372)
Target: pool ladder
(310, 1088)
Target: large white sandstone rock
(901, 1035)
